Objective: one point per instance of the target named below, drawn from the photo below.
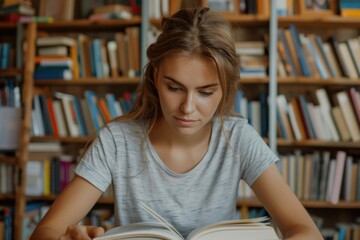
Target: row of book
(253, 59)
(10, 94)
(64, 57)
(10, 114)
(318, 176)
(13, 11)
(308, 55)
(299, 118)
(50, 176)
(322, 176)
(70, 115)
(349, 8)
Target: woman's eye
(173, 89)
(206, 93)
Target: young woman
(180, 150)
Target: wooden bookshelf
(6, 197)
(89, 81)
(318, 143)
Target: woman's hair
(190, 32)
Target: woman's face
(189, 92)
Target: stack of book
(350, 8)
(14, 10)
(56, 58)
(253, 61)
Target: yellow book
(347, 12)
(47, 179)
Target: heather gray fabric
(204, 195)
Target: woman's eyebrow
(205, 86)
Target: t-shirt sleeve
(97, 162)
(255, 155)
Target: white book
(338, 176)
(325, 107)
(66, 101)
(349, 115)
(59, 115)
(55, 40)
(34, 178)
(256, 115)
(330, 180)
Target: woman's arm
(284, 207)
(69, 208)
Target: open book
(249, 229)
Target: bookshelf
(325, 25)
(22, 75)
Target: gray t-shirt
(123, 156)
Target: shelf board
(8, 159)
(88, 25)
(7, 26)
(318, 143)
(318, 21)
(62, 139)
(6, 196)
(307, 204)
(90, 81)
(52, 197)
(244, 20)
(304, 81)
(11, 72)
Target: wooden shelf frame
(306, 203)
(84, 25)
(89, 81)
(10, 72)
(309, 81)
(62, 139)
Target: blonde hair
(197, 31)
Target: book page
(143, 230)
(161, 219)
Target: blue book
(110, 102)
(90, 96)
(320, 67)
(349, 4)
(96, 58)
(322, 52)
(299, 51)
(79, 116)
(306, 115)
(5, 55)
(264, 114)
(45, 74)
(238, 97)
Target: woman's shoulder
(232, 121)
(126, 126)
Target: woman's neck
(164, 135)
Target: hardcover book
(254, 228)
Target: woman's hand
(77, 232)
